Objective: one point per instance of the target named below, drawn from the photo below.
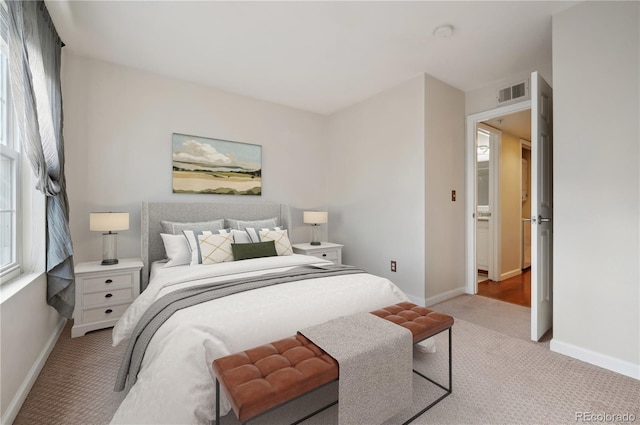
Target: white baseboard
(22, 393)
(444, 296)
(613, 364)
(512, 273)
(416, 300)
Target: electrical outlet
(393, 265)
(453, 196)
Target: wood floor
(515, 290)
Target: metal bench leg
(448, 390)
(322, 409)
(450, 363)
(217, 402)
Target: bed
(174, 383)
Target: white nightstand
(103, 293)
(326, 251)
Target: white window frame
(11, 149)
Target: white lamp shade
(315, 217)
(108, 221)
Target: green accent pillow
(244, 251)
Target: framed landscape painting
(203, 165)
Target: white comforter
(175, 384)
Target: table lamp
(109, 222)
(315, 218)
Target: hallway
(515, 290)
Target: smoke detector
(443, 31)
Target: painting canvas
(204, 165)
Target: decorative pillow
(194, 246)
(253, 232)
(240, 236)
(242, 224)
(176, 228)
(215, 248)
(244, 251)
(280, 238)
(177, 249)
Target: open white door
(541, 207)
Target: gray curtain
(34, 69)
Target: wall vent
(514, 92)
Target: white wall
(596, 184)
(486, 98)
(118, 126)
(28, 326)
(29, 330)
(392, 163)
(370, 158)
(444, 171)
(375, 182)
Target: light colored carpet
(498, 379)
(76, 384)
(510, 319)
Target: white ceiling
(315, 56)
(517, 124)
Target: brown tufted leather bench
(267, 376)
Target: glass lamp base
(314, 235)
(109, 249)
(109, 262)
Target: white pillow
(240, 236)
(253, 233)
(281, 239)
(215, 248)
(177, 249)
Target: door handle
(528, 219)
(543, 220)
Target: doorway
(541, 106)
(473, 122)
(503, 206)
(503, 211)
(498, 218)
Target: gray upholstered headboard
(154, 212)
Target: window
(9, 168)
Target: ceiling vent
(514, 92)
